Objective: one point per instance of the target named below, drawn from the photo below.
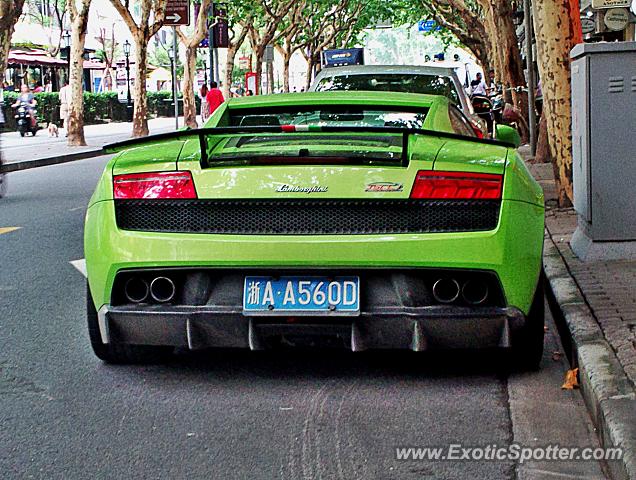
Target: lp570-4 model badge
(384, 187)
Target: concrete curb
(45, 162)
(608, 393)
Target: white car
(432, 80)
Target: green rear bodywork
(513, 250)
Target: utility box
(604, 149)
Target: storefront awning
(33, 57)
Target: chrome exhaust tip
(475, 292)
(136, 290)
(446, 290)
(162, 289)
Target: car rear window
(337, 116)
(405, 83)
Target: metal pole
(128, 80)
(217, 72)
(175, 55)
(211, 40)
(532, 113)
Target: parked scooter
(25, 120)
(484, 109)
(506, 114)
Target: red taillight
(457, 185)
(154, 185)
(478, 131)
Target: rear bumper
(411, 328)
(512, 251)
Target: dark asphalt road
(63, 414)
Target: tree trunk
(10, 11)
(504, 49)
(260, 52)
(310, 71)
(286, 61)
(229, 69)
(140, 115)
(75, 126)
(556, 35)
(189, 95)
(5, 44)
(270, 77)
(543, 147)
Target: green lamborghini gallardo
(354, 220)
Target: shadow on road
(288, 365)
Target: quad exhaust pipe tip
(475, 292)
(162, 289)
(446, 290)
(136, 290)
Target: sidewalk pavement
(597, 300)
(18, 149)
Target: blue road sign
(428, 26)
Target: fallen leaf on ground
(571, 379)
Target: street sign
(244, 63)
(428, 26)
(610, 3)
(616, 19)
(220, 30)
(177, 13)
(588, 25)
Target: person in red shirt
(214, 97)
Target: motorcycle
(24, 119)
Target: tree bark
(505, 50)
(190, 68)
(79, 24)
(543, 147)
(229, 69)
(10, 11)
(140, 115)
(141, 34)
(233, 48)
(557, 31)
(189, 95)
(286, 61)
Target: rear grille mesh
(307, 217)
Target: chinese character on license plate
(301, 295)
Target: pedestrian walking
(65, 97)
(205, 106)
(478, 86)
(214, 97)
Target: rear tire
(119, 353)
(527, 344)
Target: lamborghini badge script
(296, 189)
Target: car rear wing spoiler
(202, 133)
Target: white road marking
(80, 265)
(8, 229)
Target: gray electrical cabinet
(604, 149)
